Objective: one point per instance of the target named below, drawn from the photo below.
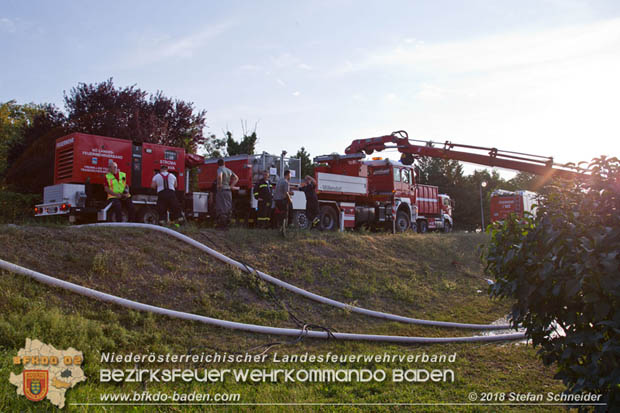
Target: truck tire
(329, 218)
(422, 226)
(300, 220)
(402, 221)
(447, 227)
(148, 215)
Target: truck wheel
(402, 221)
(447, 227)
(422, 226)
(300, 220)
(148, 215)
(329, 218)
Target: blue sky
(531, 76)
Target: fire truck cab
(376, 193)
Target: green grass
(434, 276)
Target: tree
(525, 181)
(31, 157)
(307, 167)
(562, 269)
(14, 120)
(247, 144)
(444, 173)
(130, 113)
(214, 147)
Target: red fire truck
(384, 192)
(80, 165)
(504, 203)
(354, 192)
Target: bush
(16, 207)
(563, 269)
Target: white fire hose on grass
(88, 292)
(297, 290)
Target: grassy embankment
(433, 276)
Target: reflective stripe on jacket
(114, 184)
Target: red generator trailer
(81, 162)
(504, 203)
(375, 193)
(249, 169)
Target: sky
(538, 76)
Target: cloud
(493, 53)
(288, 61)
(296, 93)
(7, 25)
(551, 91)
(250, 68)
(153, 50)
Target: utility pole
(483, 184)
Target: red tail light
(65, 207)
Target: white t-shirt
(159, 180)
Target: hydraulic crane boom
(535, 164)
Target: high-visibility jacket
(263, 190)
(116, 185)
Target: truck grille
(64, 162)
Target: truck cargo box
(81, 157)
(341, 184)
(427, 199)
(239, 164)
(504, 203)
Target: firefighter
(165, 183)
(312, 202)
(226, 181)
(118, 192)
(263, 193)
(282, 197)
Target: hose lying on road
(297, 290)
(46, 279)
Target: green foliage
(15, 122)
(16, 207)
(246, 146)
(523, 180)
(214, 147)
(562, 267)
(307, 167)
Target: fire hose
(88, 292)
(297, 290)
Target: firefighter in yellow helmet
(118, 192)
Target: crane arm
(535, 164)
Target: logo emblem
(35, 384)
